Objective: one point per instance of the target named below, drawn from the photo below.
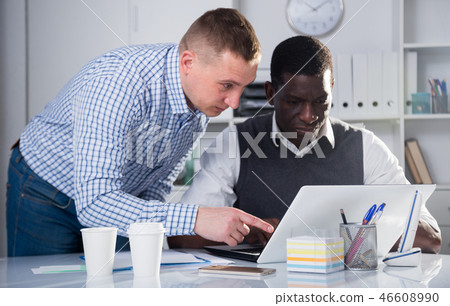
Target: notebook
(317, 208)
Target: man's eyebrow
(324, 96)
(230, 81)
(236, 83)
(289, 96)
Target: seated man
(298, 145)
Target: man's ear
(270, 91)
(187, 61)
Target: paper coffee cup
(146, 227)
(99, 245)
(146, 241)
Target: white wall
(12, 91)
(363, 28)
(63, 36)
(150, 21)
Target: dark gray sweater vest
(266, 185)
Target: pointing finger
(254, 221)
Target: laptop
(317, 207)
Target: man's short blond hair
(223, 29)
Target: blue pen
(377, 214)
(123, 269)
(369, 214)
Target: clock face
(314, 17)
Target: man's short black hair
(300, 55)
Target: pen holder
(439, 104)
(360, 246)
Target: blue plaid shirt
(115, 138)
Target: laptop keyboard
(251, 250)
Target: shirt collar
(325, 131)
(172, 82)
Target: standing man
(106, 150)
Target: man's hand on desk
(258, 236)
(227, 224)
(427, 238)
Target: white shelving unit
(424, 28)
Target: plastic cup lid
(146, 228)
(98, 229)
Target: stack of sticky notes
(315, 254)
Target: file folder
(412, 166)
(390, 84)
(418, 162)
(360, 84)
(344, 84)
(375, 83)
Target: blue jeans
(41, 220)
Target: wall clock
(314, 17)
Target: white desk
(433, 273)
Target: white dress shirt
(220, 165)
